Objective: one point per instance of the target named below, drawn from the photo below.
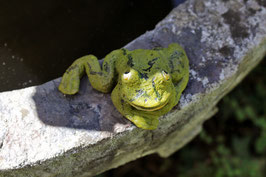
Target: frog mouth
(148, 108)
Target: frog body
(145, 84)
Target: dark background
(40, 39)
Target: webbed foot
(147, 122)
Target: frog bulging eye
(166, 76)
(127, 76)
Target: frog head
(146, 91)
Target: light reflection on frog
(146, 83)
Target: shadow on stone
(88, 110)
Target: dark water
(40, 39)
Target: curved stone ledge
(43, 133)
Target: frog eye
(126, 76)
(166, 76)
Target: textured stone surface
(43, 133)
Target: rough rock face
(43, 133)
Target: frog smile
(142, 108)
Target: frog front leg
(101, 78)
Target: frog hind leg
(102, 78)
(179, 64)
(140, 118)
(180, 86)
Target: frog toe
(69, 85)
(147, 123)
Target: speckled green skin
(146, 83)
